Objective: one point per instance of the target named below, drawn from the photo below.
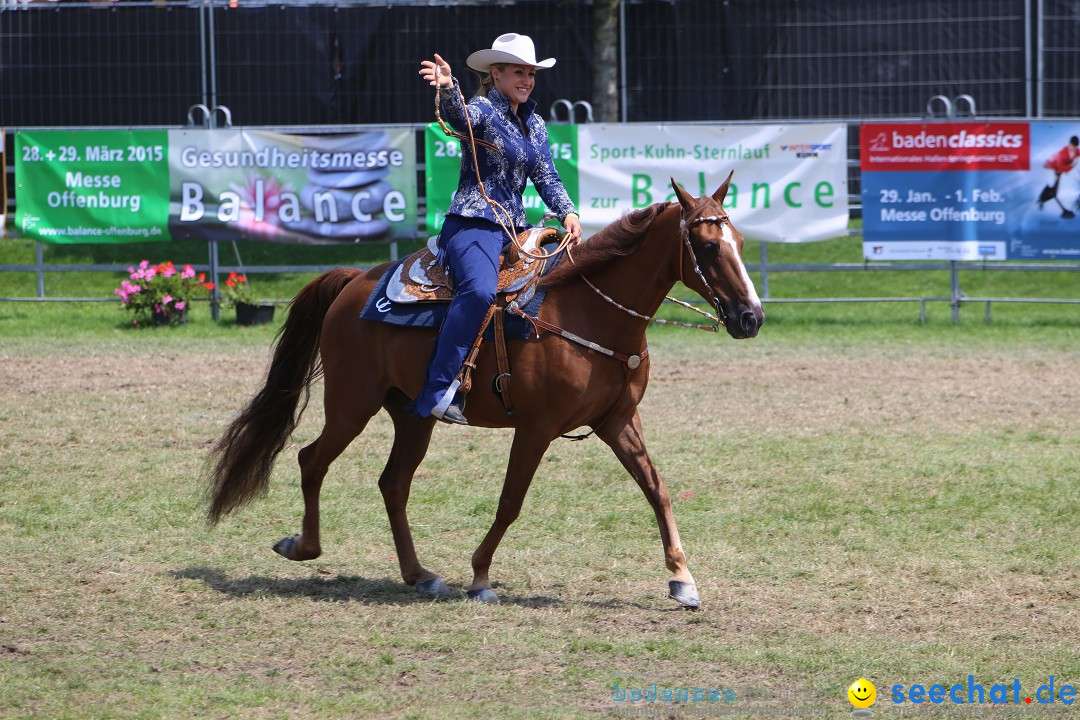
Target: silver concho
(633, 362)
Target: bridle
(719, 221)
(717, 319)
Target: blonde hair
(486, 81)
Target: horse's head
(711, 263)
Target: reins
(505, 220)
(633, 362)
(717, 321)
(497, 208)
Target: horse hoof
(684, 593)
(484, 595)
(434, 587)
(284, 546)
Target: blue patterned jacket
(520, 157)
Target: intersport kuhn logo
(807, 150)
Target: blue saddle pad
(380, 308)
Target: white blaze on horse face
(725, 233)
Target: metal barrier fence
(330, 66)
(144, 62)
(777, 60)
(1056, 59)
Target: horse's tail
(244, 456)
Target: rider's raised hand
(436, 72)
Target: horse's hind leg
(347, 414)
(411, 438)
(628, 442)
(525, 456)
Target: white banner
(790, 181)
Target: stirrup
(452, 415)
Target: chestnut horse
(558, 385)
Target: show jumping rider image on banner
(1061, 162)
(511, 147)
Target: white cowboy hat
(509, 48)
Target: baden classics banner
(970, 190)
(135, 186)
(790, 182)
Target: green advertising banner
(3, 186)
(442, 156)
(92, 186)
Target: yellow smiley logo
(862, 693)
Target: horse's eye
(710, 248)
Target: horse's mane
(619, 238)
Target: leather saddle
(422, 278)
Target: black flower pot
(247, 314)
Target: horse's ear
(685, 199)
(721, 192)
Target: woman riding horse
(487, 210)
(589, 367)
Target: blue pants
(470, 247)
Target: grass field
(859, 496)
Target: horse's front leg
(628, 442)
(525, 456)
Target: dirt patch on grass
(133, 372)
(806, 393)
(797, 393)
